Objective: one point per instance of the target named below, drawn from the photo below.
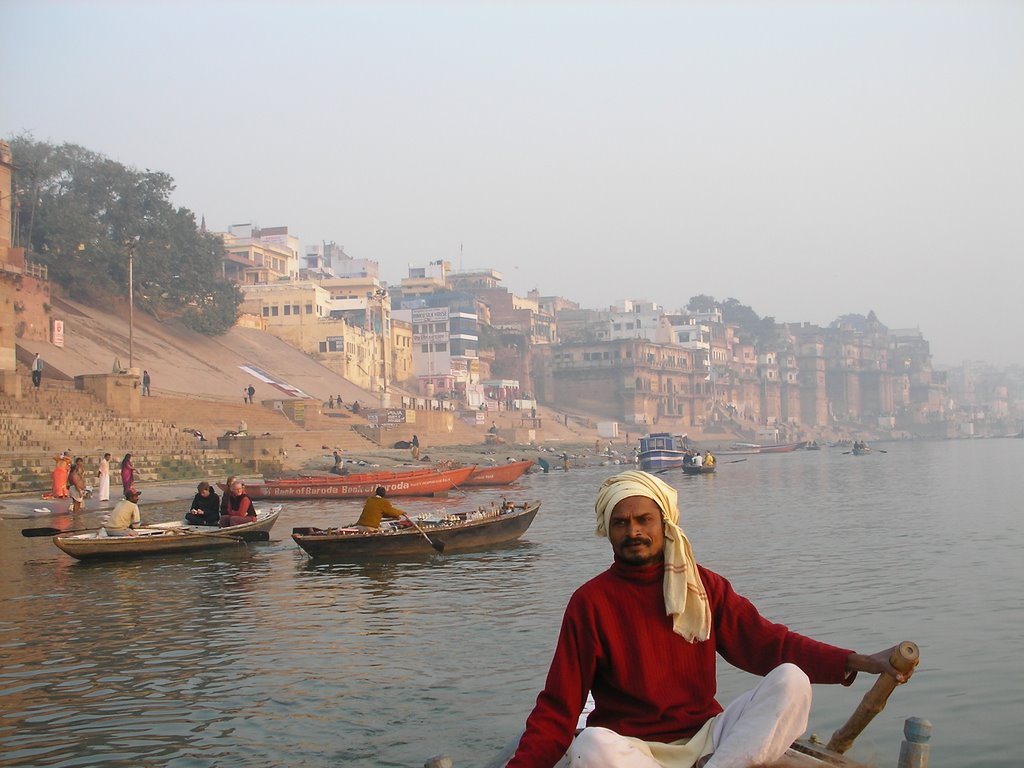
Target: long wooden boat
(416, 483)
(861, 451)
(739, 449)
(662, 450)
(783, 447)
(455, 533)
(162, 538)
(690, 469)
(355, 477)
(499, 474)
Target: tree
(752, 327)
(81, 213)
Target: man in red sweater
(642, 638)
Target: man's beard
(639, 557)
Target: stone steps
(44, 422)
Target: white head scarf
(686, 600)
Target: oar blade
(437, 545)
(31, 533)
(252, 536)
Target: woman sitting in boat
(239, 508)
(375, 508)
(709, 459)
(205, 506)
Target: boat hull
(487, 532)
(398, 484)
(783, 448)
(661, 450)
(689, 469)
(654, 461)
(163, 538)
(500, 474)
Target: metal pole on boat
(914, 749)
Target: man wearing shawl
(642, 638)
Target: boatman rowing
(642, 638)
(376, 508)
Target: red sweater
(648, 682)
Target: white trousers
(754, 729)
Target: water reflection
(259, 655)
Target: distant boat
(739, 449)
(415, 483)
(499, 474)
(783, 447)
(662, 450)
(691, 469)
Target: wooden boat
(662, 450)
(690, 469)
(454, 533)
(416, 483)
(355, 477)
(739, 449)
(499, 474)
(783, 447)
(861, 451)
(163, 538)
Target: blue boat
(662, 450)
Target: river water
(258, 656)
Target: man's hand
(877, 664)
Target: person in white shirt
(697, 460)
(104, 477)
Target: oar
(239, 536)
(31, 533)
(734, 461)
(244, 535)
(904, 658)
(438, 545)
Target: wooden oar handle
(904, 658)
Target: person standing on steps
(37, 371)
(145, 383)
(127, 474)
(103, 476)
(251, 391)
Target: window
(266, 311)
(309, 309)
(287, 309)
(295, 309)
(273, 311)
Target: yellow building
(254, 257)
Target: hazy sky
(810, 159)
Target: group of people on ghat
(68, 479)
(641, 640)
(695, 459)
